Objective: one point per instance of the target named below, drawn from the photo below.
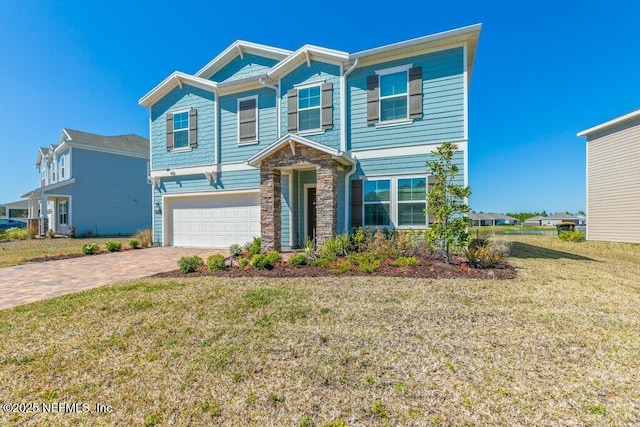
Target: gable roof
(128, 143)
(340, 156)
(305, 54)
(177, 78)
(239, 48)
(561, 215)
(630, 116)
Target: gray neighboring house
(613, 179)
(535, 221)
(557, 218)
(488, 219)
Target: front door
(311, 213)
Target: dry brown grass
(557, 346)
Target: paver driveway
(37, 281)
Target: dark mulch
(45, 258)
(428, 268)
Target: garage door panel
(214, 221)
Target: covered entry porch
(299, 191)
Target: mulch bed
(428, 268)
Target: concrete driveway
(37, 281)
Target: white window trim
(66, 213)
(398, 202)
(257, 140)
(188, 147)
(390, 202)
(313, 131)
(62, 171)
(393, 200)
(395, 122)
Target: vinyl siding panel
(111, 195)
(613, 183)
(187, 97)
(241, 68)
(237, 180)
(230, 150)
(318, 72)
(442, 103)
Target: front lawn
(558, 345)
(20, 251)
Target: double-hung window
(248, 120)
(63, 215)
(412, 196)
(377, 203)
(309, 108)
(53, 171)
(181, 129)
(62, 162)
(394, 97)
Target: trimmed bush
(134, 244)
(324, 262)
(216, 262)
(113, 246)
(243, 263)
(14, 233)
(367, 262)
(341, 266)
(51, 234)
(571, 236)
(405, 262)
(254, 247)
(90, 248)
(189, 264)
(298, 260)
(266, 261)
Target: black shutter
(247, 120)
(356, 203)
(327, 105)
(415, 93)
(292, 111)
(193, 128)
(373, 100)
(169, 132)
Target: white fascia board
(176, 78)
(49, 187)
(468, 30)
(200, 170)
(300, 56)
(617, 120)
(257, 158)
(234, 50)
(240, 85)
(412, 150)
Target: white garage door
(214, 221)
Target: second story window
(53, 171)
(247, 120)
(62, 167)
(393, 96)
(309, 108)
(181, 130)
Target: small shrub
(51, 234)
(336, 246)
(89, 233)
(367, 262)
(32, 231)
(189, 264)
(404, 262)
(298, 260)
(14, 233)
(309, 250)
(341, 266)
(216, 262)
(134, 244)
(90, 248)
(324, 262)
(266, 261)
(113, 246)
(235, 250)
(254, 247)
(571, 236)
(487, 254)
(242, 263)
(72, 232)
(144, 237)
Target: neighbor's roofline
(610, 123)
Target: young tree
(446, 200)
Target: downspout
(277, 89)
(216, 123)
(343, 141)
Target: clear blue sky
(544, 70)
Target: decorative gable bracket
(155, 181)
(212, 177)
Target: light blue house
(303, 145)
(93, 183)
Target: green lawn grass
(557, 346)
(20, 251)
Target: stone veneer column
(270, 207)
(326, 201)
